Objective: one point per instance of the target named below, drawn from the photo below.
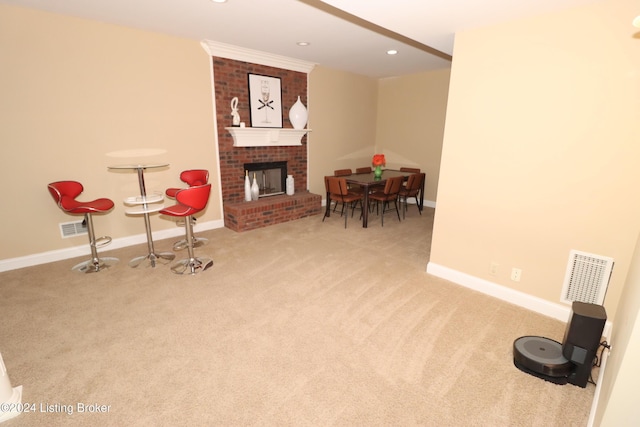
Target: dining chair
(347, 172)
(366, 169)
(412, 170)
(338, 192)
(412, 189)
(388, 194)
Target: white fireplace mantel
(266, 137)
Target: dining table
(368, 181)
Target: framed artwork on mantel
(265, 101)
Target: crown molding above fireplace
(266, 137)
(238, 53)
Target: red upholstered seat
(192, 178)
(190, 201)
(64, 193)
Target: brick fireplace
(231, 80)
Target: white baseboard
(554, 310)
(77, 251)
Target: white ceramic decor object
(255, 189)
(10, 397)
(234, 111)
(298, 115)
(290, 185)
(247, 187)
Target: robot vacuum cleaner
(542, 357)
(572, 361)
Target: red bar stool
(192, 178)
(190, 201)
(65, 193)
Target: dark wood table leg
(365, 207)
(328, 205)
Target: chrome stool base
(191, 265)
(152, 259)
(95, 265)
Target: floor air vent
(70, 229)
(587, 278)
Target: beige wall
(74, 90)
(540, 156)
(540, 151)
(410, 123)
(342, 114)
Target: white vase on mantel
(255, 189)
(247, 187)
(298, 115)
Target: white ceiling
(350, 35)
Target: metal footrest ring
(197, 242)
(102, 241)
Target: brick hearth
(244, 216)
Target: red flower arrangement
(378, 160)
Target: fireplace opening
(271, 177)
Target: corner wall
(410, 123)
(540, 151)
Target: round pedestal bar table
(144, 204)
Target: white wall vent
(587, 278)
(70, 229)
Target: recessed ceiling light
(219, 1)
(303, 43)
(392, 52)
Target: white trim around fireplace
(266, 137)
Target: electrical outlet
(516, 274)
(493, 269)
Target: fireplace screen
(271, 177)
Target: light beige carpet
(298, 324)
